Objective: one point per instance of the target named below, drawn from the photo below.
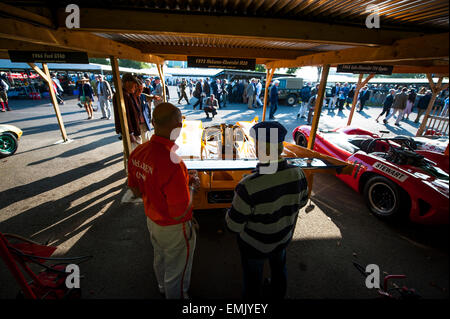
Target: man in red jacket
(158, 175)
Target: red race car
(397, 177)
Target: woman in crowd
(410, 103)
(86, 96)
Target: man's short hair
(276, 81)
(128, 77)
(162, 117)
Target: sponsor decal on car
(390, 171)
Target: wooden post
(318, 106)
(47, 78)
(359, 85)
(435, 89)
(121, 110)
(269, 75)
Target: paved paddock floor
(69, 195)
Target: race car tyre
(8, 144)
(384, 198)
(300, 140)
(291, 99)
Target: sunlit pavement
(69, 195)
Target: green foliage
(260, 68)
(292, 70)
(403, 76)
(99, 61)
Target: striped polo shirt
(265, 208)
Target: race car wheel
(383, 198)
(8, 144)
(301, 140)
(291, 100)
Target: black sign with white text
(365, 68)
(48, 57)
(221, 63)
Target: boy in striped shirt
(264, 211)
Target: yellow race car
(223, 154)
(9, 139)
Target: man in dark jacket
(215, 88)
(129, 86)
(399, 106)
(422, 105)
(198, 94)
(183, 94)
(206, 88)
(387, 104)
(273, 99)
(364, 95)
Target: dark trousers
(183, 95)
(200, 101)
(253, 275)
(273, 109)
(361, 104)
(340, 104)
(385, 111)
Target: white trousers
(303, 108)
(172, 263)
(333, 101)
(399, 115)
(105, 106)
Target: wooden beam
(45, 74)
(63, 38)
(318, 106)
(269, 75)
(134, 21)
(437, 47)
(442, 69)
(435, 89)
(121, 110)
(185, 50)
(24, 15)
(359, 85)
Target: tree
(99, 61)
(291, 70)
(260, 68)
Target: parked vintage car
(225, 153)
(396, 177)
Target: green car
(9, 139)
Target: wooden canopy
(279, 33)
(413, 35)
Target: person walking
(305, 94)
(212, 104)
(258, 101)
(183, 94)
(398, 106)
(364, 96)
(159, 176)
(198, 94)
(311, 106)
(251, 93)
(57, 88)
(104, 94)
(158, 92)
(143, 111)
(410, 103)
(225, 86)
(4, 87)
(86, 96)
(273, 99)
(334, 96)
(422, 104)
(215, 90)
(387, 104)
(264, 213)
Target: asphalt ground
(69, 195)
